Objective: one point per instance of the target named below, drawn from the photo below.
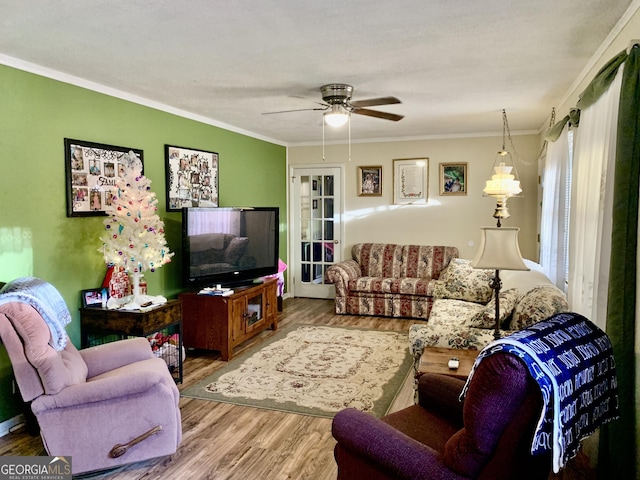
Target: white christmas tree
(134, 234)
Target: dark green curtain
(590, 95)
(618, 445)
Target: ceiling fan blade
(296, 110)
(375, 113)
(372, 102)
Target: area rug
(314, 370)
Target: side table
(436, 359)
(98, 321)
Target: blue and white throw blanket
(572, 361)
(46, 300)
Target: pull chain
(323, 139)
(349, 137)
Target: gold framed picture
(453, 179)
(370, 181)
(410, 180)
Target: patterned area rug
(314, 370)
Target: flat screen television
(229, 246)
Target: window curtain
(618, 442)
(590, 223)
(553, 222)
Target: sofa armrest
(108, 388)
(381, 445)
(106, 357)
(441, 393)
(340, 273)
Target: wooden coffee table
(435, 360)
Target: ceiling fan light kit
(336, 116)
(336, 101)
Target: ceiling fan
(338, 106)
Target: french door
(317, 211)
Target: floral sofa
(389, 280)
(463, 312)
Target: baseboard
(7, 425)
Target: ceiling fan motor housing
(336, 93)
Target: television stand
(215, 322)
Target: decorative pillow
(538, 304)
(460, 281)
(486, 318)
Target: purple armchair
(488, 436)
(103, 406)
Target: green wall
(36, 114)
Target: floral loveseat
(389, 280)
(463, 312)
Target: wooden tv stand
(213, 322)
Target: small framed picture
(94, 297)
(410, 180)
(370, 181)
(453, 179)
(192, 178)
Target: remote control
(454, 363)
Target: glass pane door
(316, 194)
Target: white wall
(445, 220)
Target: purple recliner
(488, 436)
(103, 406)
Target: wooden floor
(224, 441)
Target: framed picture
(453, 179)
(410, 182)
(92, 170)
(192, 178)
(94, 297)
(370, 181)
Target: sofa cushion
(538, 304)
(378, 259)
(448, 327)
(424, 261)
(406, 286)
(486, 318)
(460, 281)
(451, 311)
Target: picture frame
(192, 178)
(94, 297)
(370, 181)
(453, 178)
(92, 171)
(410, 181)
